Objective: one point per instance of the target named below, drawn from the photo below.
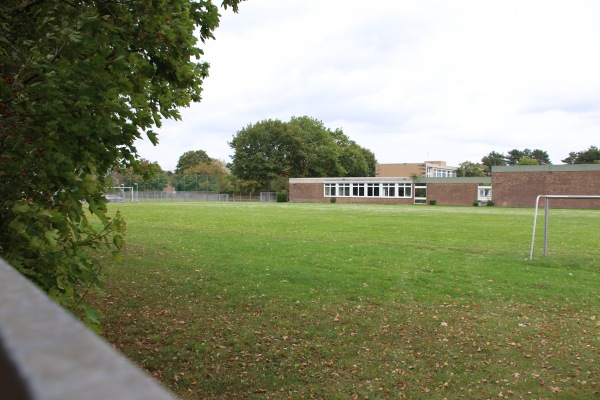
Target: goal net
(268, 196)
(547, 198)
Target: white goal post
(547, 198)
(122, 188)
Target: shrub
(333, 200)
(282, 196)
(432, 202)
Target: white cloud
(410, 80)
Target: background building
(511, 186)
(519, 185)
(427, 169)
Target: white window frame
(395, 190)
(358, 190)
(420, 200)
(373, 190)
(330, 189)
(484, 193)
(407, 190)
(388, 190)
(344, 189)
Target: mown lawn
(276, 301)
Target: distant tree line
(524, 157)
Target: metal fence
(149, 196)
(131, 195)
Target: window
(344, 189)
(330, 189)
(389, 189)
(421, 194)
(358, 190)
(375, 189)
(405, 190)
(372, 189)
(485, 193)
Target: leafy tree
(215, 170)
(589, 156)
(541, 156)
(196, 171)
(355, 160)
(493, 159)
(515, 155)
(147, 175)
(528, 161)
(302, 147)
(262, 152)
(191, 159)
(248, 186)
(315, 153)
(468, 168)
(81, 81)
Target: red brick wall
(520, 189)
(463, 194)
(307, 193)
(452, 194)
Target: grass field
(275, 301)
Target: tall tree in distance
(316, 154)
(589, 156)
(143, 173)
(541, 156)
(81, 81)
(515, 155)
(468, 168)
(493, 159)
(354, 159)
(300, 148)
(191, 159)
(528, 161)
(262, 152)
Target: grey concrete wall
(47, 354)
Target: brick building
(427, 169)
(513, 186)
(389, 190)
(519, 185)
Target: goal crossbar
(546, 198)
(123, 189)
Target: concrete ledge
(47, 354)
(546, 168)
(484, 180)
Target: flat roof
(453, 180)
(351, 179)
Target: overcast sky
(410, 80)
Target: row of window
(440, 173)
(397, 190)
